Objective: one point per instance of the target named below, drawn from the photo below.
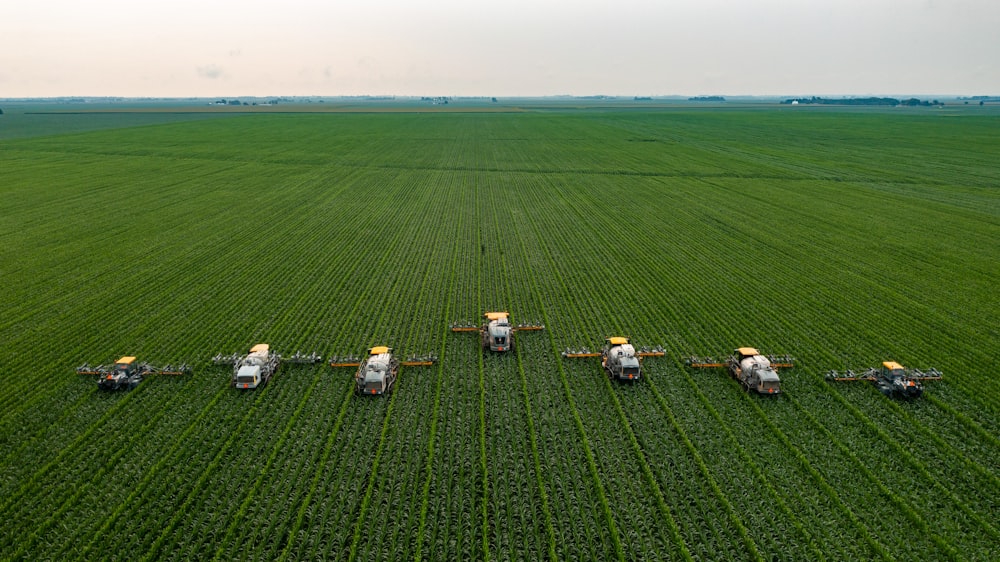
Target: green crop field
(841, 237)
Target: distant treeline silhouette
(864, 101)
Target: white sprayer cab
(374, 376)
(757, 373)
(499, 334)
(248, 376)
(377, 366)
(621, 362)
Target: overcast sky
(219, 48)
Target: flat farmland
(843, 237)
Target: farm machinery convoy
(750, 368)
(619, 358)
(126, 373)
(892, 379)
(378, 372)
(256, 368)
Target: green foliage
(842, 237)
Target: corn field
(842, 237)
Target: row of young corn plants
(489, 277)
(389, 523)
(516, 510)
(421, 531)
(629, 474)
(453, 527)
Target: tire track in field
(533, 439)
(483, 471)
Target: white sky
(219, 48)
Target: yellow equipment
(126, 373)
(891, 379)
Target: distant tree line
(893, 102)
(707, 98)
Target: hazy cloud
(211, 71)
